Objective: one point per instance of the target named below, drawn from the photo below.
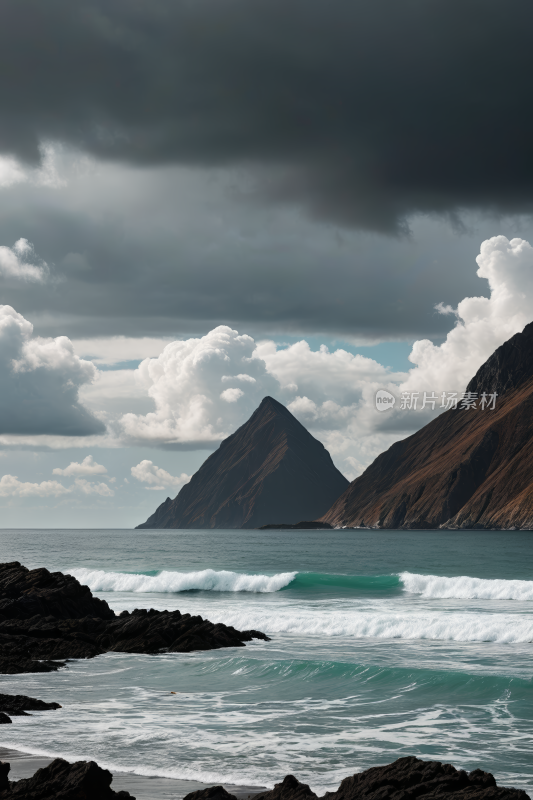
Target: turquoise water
(384, 644)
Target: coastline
(142, 787)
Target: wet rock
(18, 666)
(213, 793)
(18, 705)
(289, 789)
(39, 593)
(83, 780)
(411, 777)
(407, 778)
(4, 719)
(4, 772)
(36, 631)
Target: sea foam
(206, 580)
(464, 587)
(356, 624)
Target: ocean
(384, 644)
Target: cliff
(468, 468)
(270, 470)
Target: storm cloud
(175, 252)
(360, 111)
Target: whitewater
(384, 644)
(462, 587)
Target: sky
(205, 202)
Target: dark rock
(212, 793)
(18, 705)
(34, 643)
(407, 778)
(466, 468)
(289, 789)
(510, 366)
(270, 468)
(83, 780)
(4, 773)
(4, 719)
(17, 666)
(411, 777)
(28, 593)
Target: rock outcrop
(404, 779)
(468, 468)
(270, 470)
(47, 616)
(83, 780)
(18, 705)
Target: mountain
(468, 468)
(270, 470)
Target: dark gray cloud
(176, 252)
(40, 381)
(362, 111)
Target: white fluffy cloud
(87, 467)
(86, 487)
(204, 388)
(190, 384)
(482, 323)
(232, 395)
(15, 262)
(40, 379)
(10, 486)
(198, 391)
(157, 477)
(112, 350)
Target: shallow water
(384, 644)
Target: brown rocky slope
(270, 470)
(465, 469)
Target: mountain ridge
(464, 469)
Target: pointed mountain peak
(270, 470)
(269, 404)
(268, 412)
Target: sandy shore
(23, 765)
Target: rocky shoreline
(407, 778)
(18, 705)
(83, 780)
(48, 617)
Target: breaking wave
(464, 587)
(351, 623)
(166, 582)
(427, 586)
